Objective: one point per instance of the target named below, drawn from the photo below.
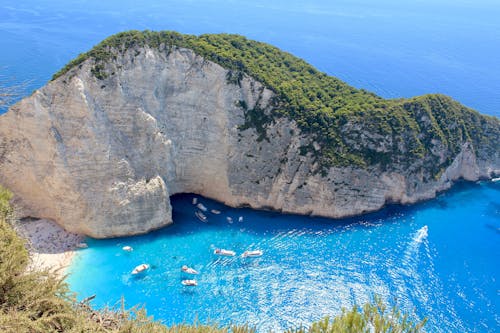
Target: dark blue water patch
(436, 259)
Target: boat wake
(421, 235)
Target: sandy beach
(50, 246)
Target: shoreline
(50, 246)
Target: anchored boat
(222, 252)
(189, 283)
(252, 254)
(188, 270)
(201, 207)
(202, 217)
(141, 268)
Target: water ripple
(308, 270)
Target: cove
(437, 259)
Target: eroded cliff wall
(102, 156)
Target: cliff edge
(145, 115)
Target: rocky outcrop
(103, 156)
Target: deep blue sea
(310, 267)
(394, 48)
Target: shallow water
(438, 258)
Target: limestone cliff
(102, 154)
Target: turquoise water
(311, 267)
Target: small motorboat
(195, 201)
(127, 248)
(215, 211)
(201, 207)
(222, 252)
(189, 270)
(495, 179)
(141, 268)
(421, 234)
(252, 254)
(229, 219)
(202, 217)
(82, 245)
(240, 219)
(189, 283)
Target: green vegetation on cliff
(39, 302)
(352, 126)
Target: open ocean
(447, 272)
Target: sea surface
(438, 259)
(395, 48)
(447, 272)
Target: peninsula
(145, 115)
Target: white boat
(140, 268)
(240, 219)
(229, 219)
(127, 248)
(252, 254)
(195, 201)
(201, 207)
(82, 245)
(222, 252)
(201, 216)
(495, 179)
(189, 270)
(190, 283)
(215, 211)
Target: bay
(438, 259)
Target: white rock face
(102, 157)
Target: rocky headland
(145, 115)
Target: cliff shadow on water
(183, 213)
(243, 219)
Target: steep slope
(146, 115)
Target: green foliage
(29, 301)
(374, 318)
(255, 118)
(5, 207)
(351, 125)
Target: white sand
(50, 246)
